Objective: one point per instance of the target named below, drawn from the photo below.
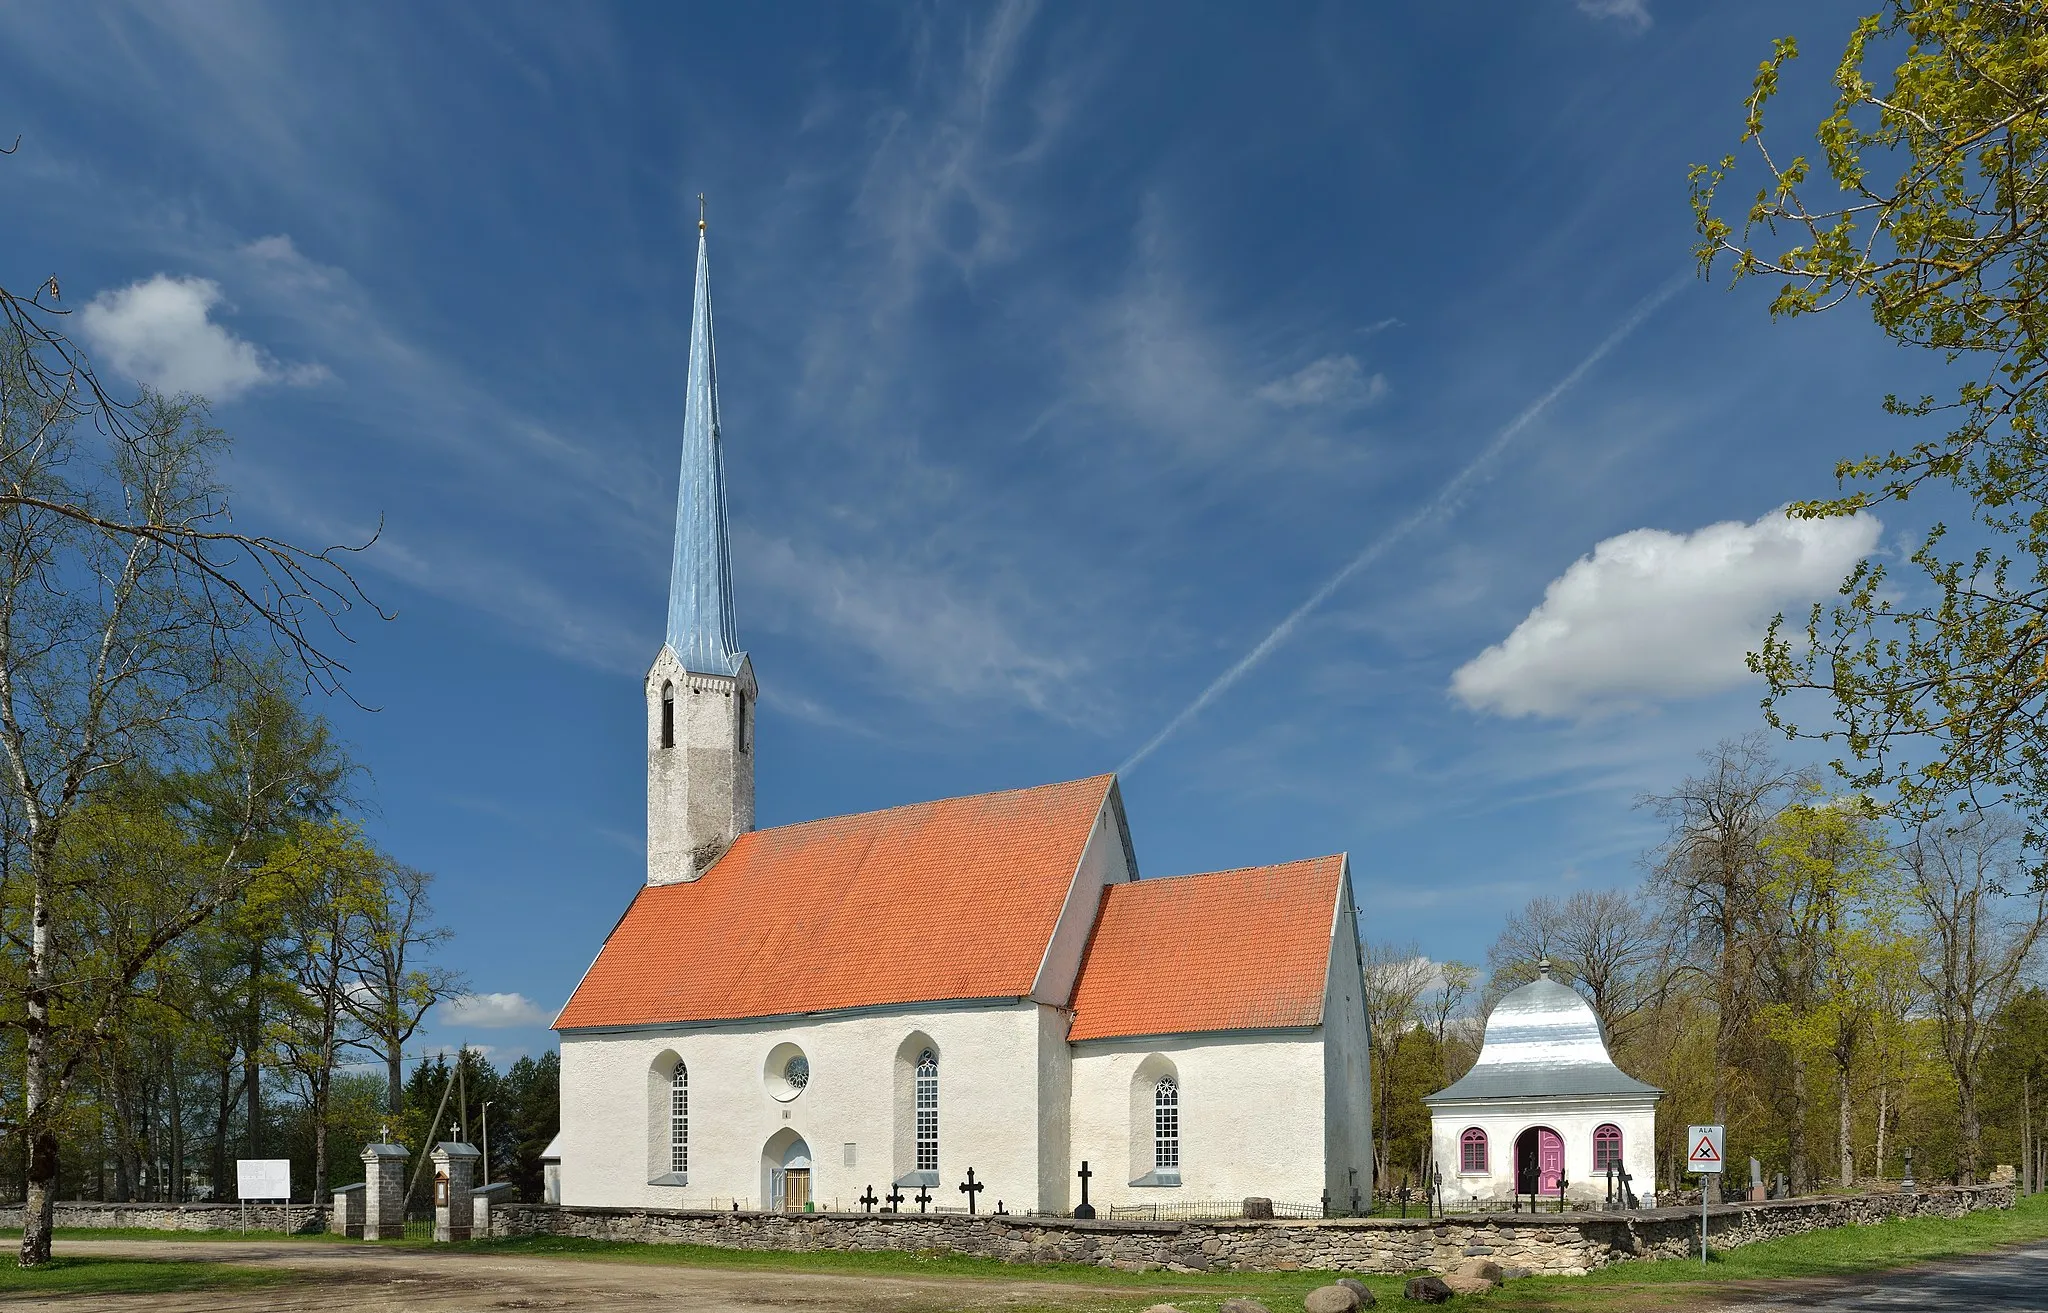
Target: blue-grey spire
(701, 631)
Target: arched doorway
(785, 1172)
(1539, 1161)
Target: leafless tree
(127, 600)
(1984, 921)
(1602, 942)
(394, 986)
(1707, 873)
(1395, 977)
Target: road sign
(1703, 1148)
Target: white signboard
(1703, 1148)
(263, 1178)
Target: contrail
(1443, 503)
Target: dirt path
(371, 1277)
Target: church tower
(700, 691)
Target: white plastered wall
(1105, 860)
(1251, 1116)
(1347, 1068)
(991, 1074)
(1573, 1118)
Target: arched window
(1166, 1123)
(1607, 1148)
(668, 715)
(927, 1103)
(742, 735)
(1472, 1151)
(679, 1120)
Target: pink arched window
(1472, 1151)
(1607, 1148)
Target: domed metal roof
(1542, 1040)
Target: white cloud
(490, 1012)
(1331, 381)
(1651, 615)
(1635, 13)
(160, 331)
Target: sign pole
(1704, 1157)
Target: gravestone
(454, 1176)
(384, 1191)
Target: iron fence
(1205, 1210)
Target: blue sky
(1065, 352)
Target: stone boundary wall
(305, 1218)
(1564, 1244)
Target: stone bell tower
(700, 690)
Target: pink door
(1549, 1160)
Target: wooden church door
(1549, 1160)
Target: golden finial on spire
(700, 211)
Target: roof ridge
(1237, 870)
(932, 802)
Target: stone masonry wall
(304, 1218)
(1566, 1244)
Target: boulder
(1329, 1299)
(1242, 1306)
(1483, 1268)
(1463, 1285)
(1366, 1299)
(1162, 1308)
(1427, 1290)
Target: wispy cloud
(161, 332)
(1331, 381)
(490, 1012)
(1632, 13)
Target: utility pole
(462, 1089)
(486, 1110)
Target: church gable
(950, 900)
(1231, 950)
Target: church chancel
(951, 1003)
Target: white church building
(963, 999)
(1544, 1110)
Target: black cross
(1086, 1210)
(868, 1200)
(894, 1199)
(971, 1187)
(1000, 1210)
(923, 1197)
(1326, 1203)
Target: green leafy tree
(1923, 198)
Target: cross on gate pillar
(454, 1177)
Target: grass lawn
(92, 1275)
(1667, 1285)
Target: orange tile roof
(1231, 950)
(955, 899)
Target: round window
(786, 1072)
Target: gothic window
(1607, 1148)
(1166, 1124)
(668, 715)
(742, 731)
(679, 1120)
(1472, 1151)
(927, 1111)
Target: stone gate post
(384, 1191)
(454, 1176)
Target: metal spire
(701, 631)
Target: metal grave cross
(1087, 1210)
(868, 1200)
(894, 1199)
(971, 1187)
(923, 1197)
(1000, 1210)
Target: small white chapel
(1544, 1111)
(949, 1004)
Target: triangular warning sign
(1704, 1151)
